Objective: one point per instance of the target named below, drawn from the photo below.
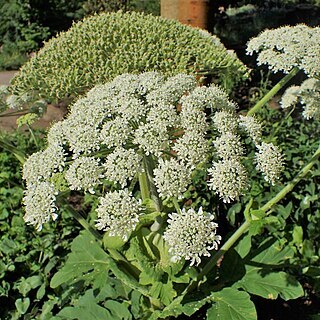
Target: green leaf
(177, 308)
(244, 245)
(86, 308)
(231, 304)
(118, 310)
(256, 227)
(270, 285)
(22, 305)
(164, 291)
(232, 267)
(86, 254)
(272, 252)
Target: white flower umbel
(56, 134)
(115, 133)
(191, 235)
(118, 213)
(172, 90)
(151, 139)
(43, 164)
(252, 126)
(39, 201)
(171, 178)
(287, 47)
(84, 174)
(225, 121)
(193, 119)
(290, 97)
(191, 148)
(122, 165)
(228, 146)
(82, 138)
(213, 97)
(228, 178)
(163, 115)
(269, 161)
(310, 98)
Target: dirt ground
(8, 123)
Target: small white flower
(56, 134)
(269, 161)
(191, 235)
(118, 213)
(172, 90)
(228, 146)
(192, 148)
(116, 132)
(43, 164)
(122, 165)
(39, 201)
(84, 174)
(228, 178)
(290, 97)
(225, 121)
(151, 139)
(281, 49)
(213, 97)
(171, 178)
(252, 126)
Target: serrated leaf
(118, 310)
(86, 308)
(231, 304)
(163, 291)
(86, 254)
(270, 285)
(177, 308)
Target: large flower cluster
(146, 125)
(281, 49)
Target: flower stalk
(245, 226)
(273, 91)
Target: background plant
(107, 45)
(27, 259)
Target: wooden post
(190, 12)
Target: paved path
(6, 76)
(8, 123)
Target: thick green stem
(84, 222)
(176, 205)
(148, 167)
(245, 226)
(143, 182)
(273, 91)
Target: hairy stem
(273, 91)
